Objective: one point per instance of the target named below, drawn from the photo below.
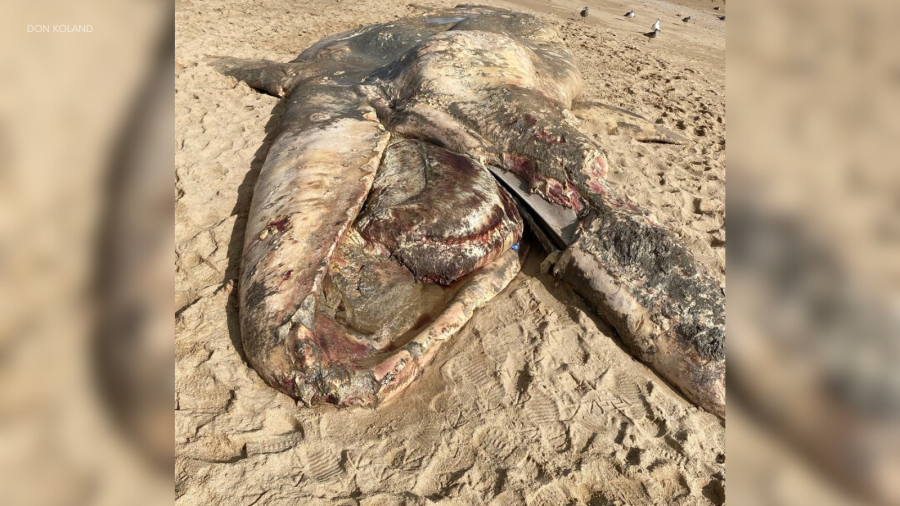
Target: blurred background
(86, 253)
(814, 253)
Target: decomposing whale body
(376, 227)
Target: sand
(534, 401)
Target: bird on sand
(629, 14)
(686, 20)
(722, 18)
(652, 35)
(656, 25)
(716, 8)
(584, 13)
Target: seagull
(652, 35)
(716, 8)
(629, 14)
(584, 13)
(656, 25)
(722, 18)
(685, 20)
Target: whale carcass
(376, 227)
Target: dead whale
(376, 228)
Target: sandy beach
(534, 401)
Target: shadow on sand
(242, 209)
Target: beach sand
(534, 401)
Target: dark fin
(263, 75)
(611, 120)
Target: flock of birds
(655, 29)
